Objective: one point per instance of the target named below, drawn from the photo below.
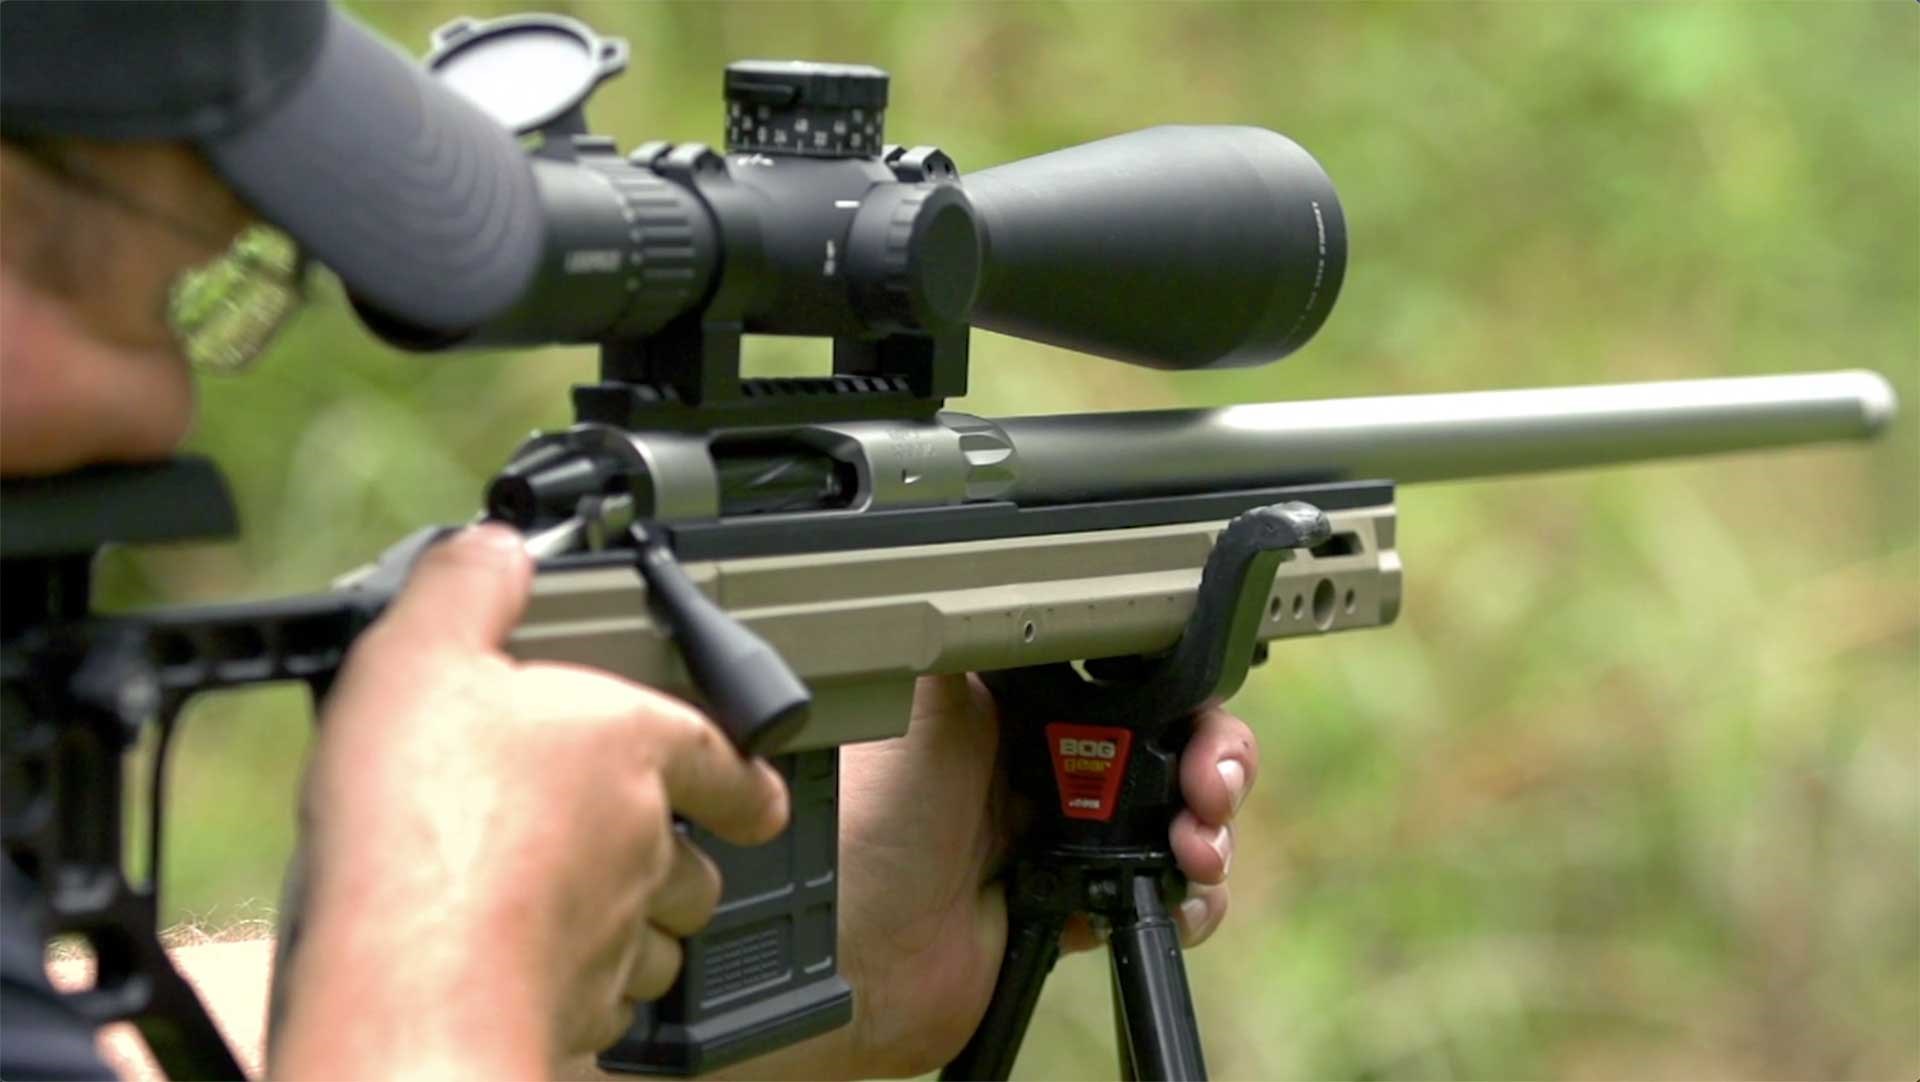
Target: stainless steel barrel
(1441, 437)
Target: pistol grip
(763, 974)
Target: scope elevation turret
(813, 110)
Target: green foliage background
(1633, 787)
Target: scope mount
(687, 375)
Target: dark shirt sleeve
(160, 69)
(41, 1037)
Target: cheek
(68, 399)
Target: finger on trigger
(469, 590)
(741, 800)
(684, 902)
(1219, 740)
(656, 965)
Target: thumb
(467, 591)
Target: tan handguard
(859, 626)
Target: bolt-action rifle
(794, 553)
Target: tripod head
(1175, 247)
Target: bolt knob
(802, 108)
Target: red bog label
(1088, 761)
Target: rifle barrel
(1440, 437)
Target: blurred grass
(1633, 787)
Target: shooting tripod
(1099, 842)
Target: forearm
(342, 1023)
(407, 998)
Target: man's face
(89, 371)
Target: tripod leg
(1122, 1040)
(1033, 945)
(1155, 1002)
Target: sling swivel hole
(1299, 606)
(1350, 601)
(1027, 631)
(1273, 608)
(1323, 598)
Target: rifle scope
(1173, 247)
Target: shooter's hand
(492, 869)
(924, 835)
(1216, 773)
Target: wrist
(377, 992)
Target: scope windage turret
(1176, 247)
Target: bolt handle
(750, 691)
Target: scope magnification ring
(660, 258)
